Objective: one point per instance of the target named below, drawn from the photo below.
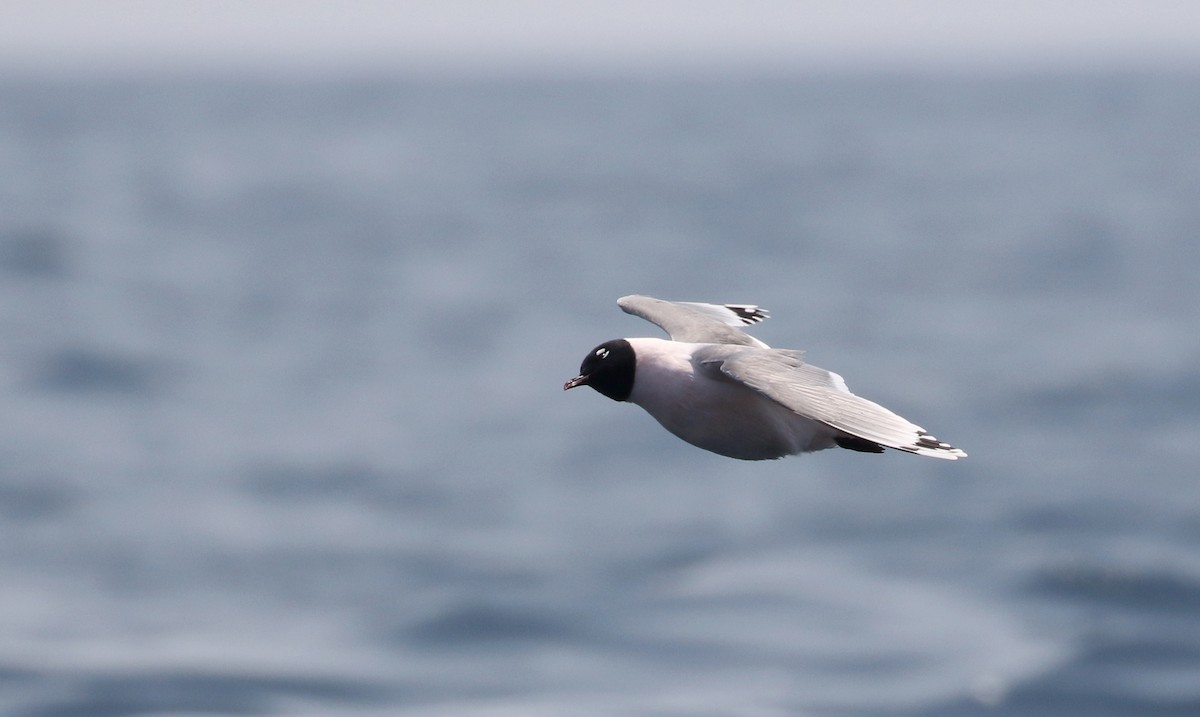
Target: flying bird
(721, 389)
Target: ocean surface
(283, 429)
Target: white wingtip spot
(749, 313)
(927, 445)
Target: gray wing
(822, 395)
(698, 323)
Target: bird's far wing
(698, 323)
(822, 396)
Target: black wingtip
(749, 313)
(854, 443)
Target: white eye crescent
(601, 353)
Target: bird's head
(608, 368)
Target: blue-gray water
(283, 427)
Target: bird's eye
(601, 353)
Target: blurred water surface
(283, 430)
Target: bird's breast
(715, 413)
